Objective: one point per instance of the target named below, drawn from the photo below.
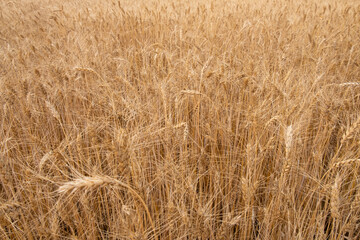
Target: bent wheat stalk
(96, 181)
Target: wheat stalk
(335, 198)
(288, 142)
(351, 131)
(53, 110)
(346, 162)
(88, 183)
(191, 92)
(89, 70)
(9, 205)
(84, 182)
(355, 205)
(235, 220)
(354, 84)
(288, 139)
(44, 159)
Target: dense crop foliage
(179, 119)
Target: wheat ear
(335, 198)
(96, 181)
(288, 142)
(350, 132)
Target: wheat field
(179, 119)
